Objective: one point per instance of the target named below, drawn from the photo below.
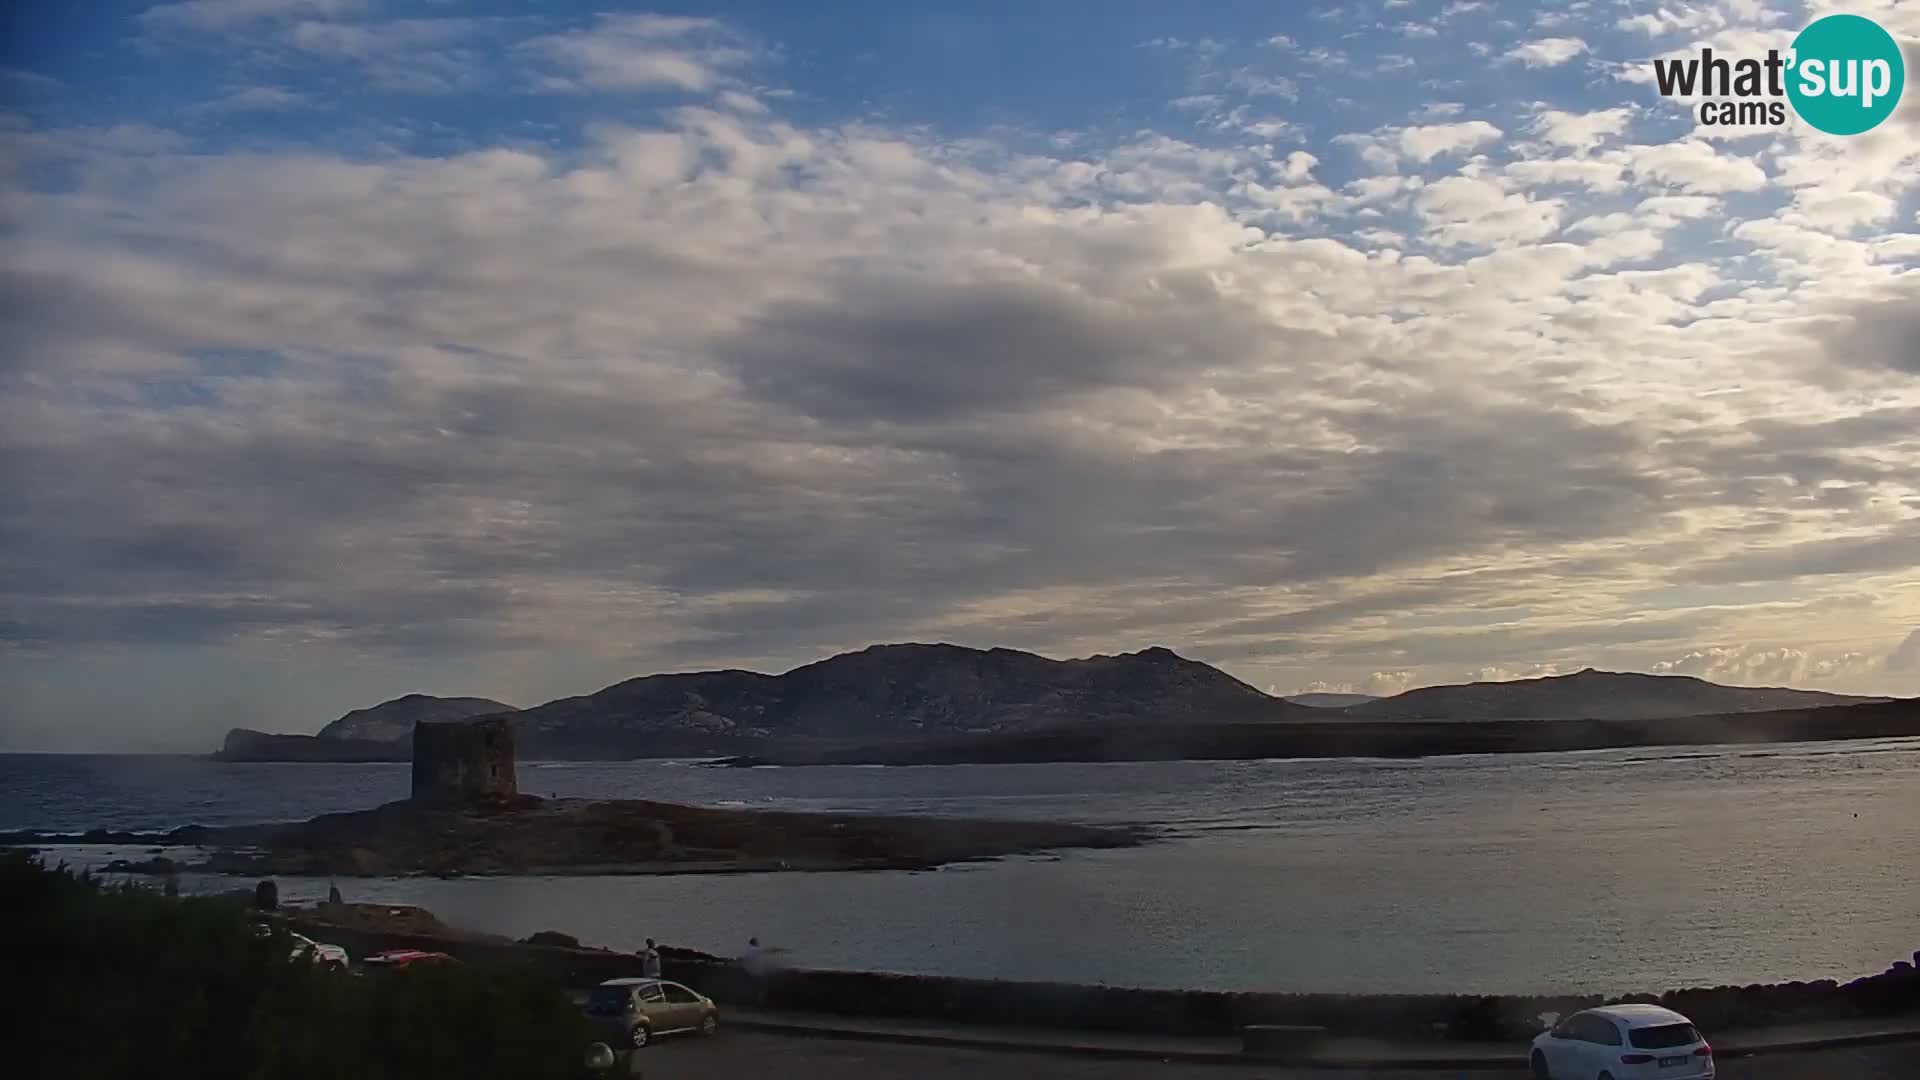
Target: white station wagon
(1622, 1042)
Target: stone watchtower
(464, 761)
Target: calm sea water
(1608, 870)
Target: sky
(363, 347)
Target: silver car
(634, 1012)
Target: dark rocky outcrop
(1592, 695)
(393, 721)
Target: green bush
(120, 981)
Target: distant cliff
(244, 744)
(392, 721)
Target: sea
(1598, 871)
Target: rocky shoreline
(1364, 738)
(526, 835)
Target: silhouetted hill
(1003, 703)
(1591, 695)
(891, 692)
(392, 721)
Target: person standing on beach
(650, 960)
(753, 963)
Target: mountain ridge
(907, 690)
(933, 692)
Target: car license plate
(1670, 1062)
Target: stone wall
(464, 761)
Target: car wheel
(640, 1036)
(709, 1023)
(1540, 1070)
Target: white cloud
(1751, 665)
(255, 99)
(1582, 131)
(1427, 142)
(1460, 210)
(1502, 673)
(1547, 52)
(643, 52)
(1692, 19)
(227, 14)
(1256, 84)
(1420, 143)
(1695, 167)
(1386, 683)
(1593, 174)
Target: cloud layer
(1508, 387)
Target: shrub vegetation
(122, 981)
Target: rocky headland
(466, 815)
(529, 835)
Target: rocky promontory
(529, 835)
(466, 815)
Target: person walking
(650, 960)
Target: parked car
(331, 957)
(634, 1012)
(401, 959)
(305, 948)
(1622, 1042)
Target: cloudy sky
(358, 347)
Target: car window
(607, 1001)
(1593, 1029)
(1664, 1036)
(680, 995)
(651, 994)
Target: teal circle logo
(1846, 74)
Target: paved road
(756, 1056)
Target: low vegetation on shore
(121, 981)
